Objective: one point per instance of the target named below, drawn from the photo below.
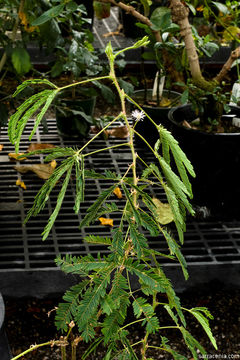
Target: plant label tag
(235, 94)
(236, 122)
(161, 85)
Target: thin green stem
(137, 343)
(130, 324)
(83, 82)
(63, 352)
(100, 132)
(105, 149)
(35, 347)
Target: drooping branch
(235, 54)
(131, 10)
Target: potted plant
(97, 309)
(213, 102)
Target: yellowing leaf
(39, 146)
(105, 221)
(43, 171)
(163, 212)
(14, 156)
(1, 147)
(165, 102)
(117, 192)
(230, 33)
(21, 183)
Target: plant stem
(132, 323)
(34, 347)
(107, 148)
(100, 132)
(83, 82)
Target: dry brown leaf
(21, 183)
(43, 171)
(14, 156)
(105, 221)
(120, 132)
(1, 147)
(118, 193)
(39, 146)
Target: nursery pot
(158, 114)
(216, 161)
(70, 121)
(4, 348)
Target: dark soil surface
(27, 323)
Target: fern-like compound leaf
(66, 311)
(43, 111)
(95, 239)
(80, 184)
(60, 199)
(43, 195)
(27, 83)
(92, 212)
(138, 240)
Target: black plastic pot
(4, 348)
(158, 114)
(216, 160)
(70, 122)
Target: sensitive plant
(99, 305)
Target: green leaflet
(27, 83)
(43, 111)
(98, 240)
(138, 240)
(108, 208)
(82, 265)
(42, 196)
(148, 223)
(198, 314)
(92, 347)
(80, 184)
(142, 307)
(118, 241)
(90, 302)
(175, 250)
(92, 212)
(192, 343)
(60, 199)
(129, 197)
(153, 281)
(67, 310)
(38, 99)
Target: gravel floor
(27, 323)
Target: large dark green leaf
(21, 61)
(160, 18)
(48, 15)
